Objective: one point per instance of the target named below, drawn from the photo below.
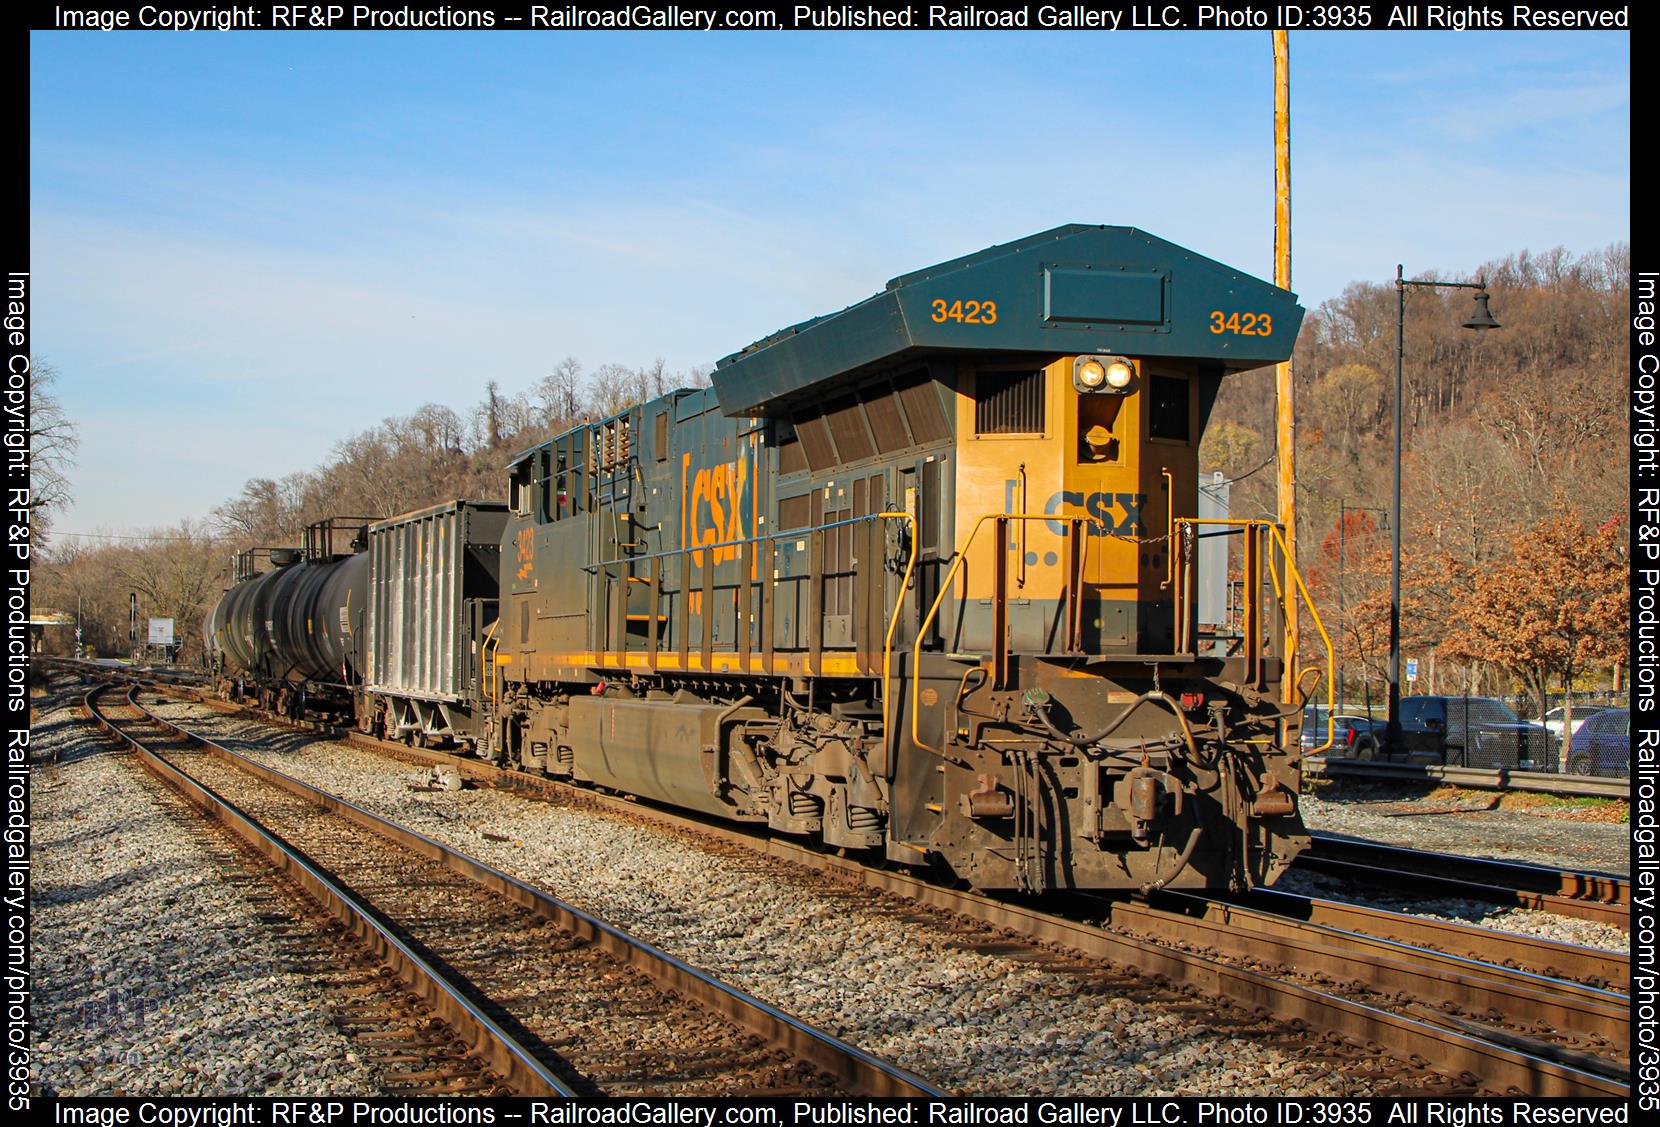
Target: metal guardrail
(1476, 778)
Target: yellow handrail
(490, 690)
(893, 619)
(1296, 576)
(1293, 573)
(933, 612)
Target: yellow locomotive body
(920, 578)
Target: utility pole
(1285, 435)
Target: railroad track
(1522, 1052)
(555, 1001)
(1476, 778)
(1572, 1023)
(1592, 966)
(1432, 995)
(1588, 896)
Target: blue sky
(246, 246)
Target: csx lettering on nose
(1103, 508)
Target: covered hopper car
(917, 579)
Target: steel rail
(1447, 1050)
(1477, 778)
(516, 1063)
(860, 1071)
(1590, 896)
(1552, 958)
(1382, 965)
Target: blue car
(1602, 745)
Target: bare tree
(560, 393)
(53, 442)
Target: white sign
(1411, 667)
(161, 631)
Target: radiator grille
(1009, 402)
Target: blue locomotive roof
(1072, 289)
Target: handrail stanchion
(655, 609)
(1077, 548)
(706, 602)
(815, 601)
(768, 600)
(746, 578)
(685, 630)
(1000, 607)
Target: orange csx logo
(524, 542)
(715, 499)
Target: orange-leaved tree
(1556, 603)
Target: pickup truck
(1353, 736)
(1468, 732)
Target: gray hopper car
(434, 581)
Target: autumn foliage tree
(1558, 603)
(1498, 428)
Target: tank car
(288, 637)
(919, 578)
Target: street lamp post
(1343, 511)
(1482, 318)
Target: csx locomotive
(916, 579)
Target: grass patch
(1573, 808)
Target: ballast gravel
(897, 985)
(152, 976)
(1470, 827)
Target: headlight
(1102, 373)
